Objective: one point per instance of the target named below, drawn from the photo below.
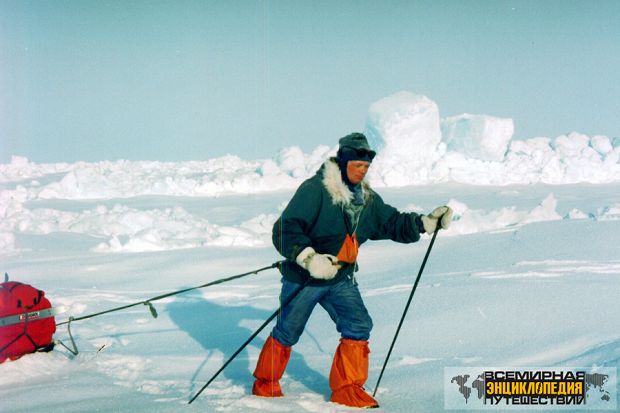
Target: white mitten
(321, 266)
(443, 215)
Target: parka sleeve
(389, 223)
(290, 233)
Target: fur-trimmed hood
(337, 189)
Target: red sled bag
(26, 320)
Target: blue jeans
(342, 301)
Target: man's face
(356, 171)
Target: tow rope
(148, 302)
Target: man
(319, 232)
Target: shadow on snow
(220, 329)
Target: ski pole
(415, 285)
(271, 317)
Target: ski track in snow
(554, 268)
(559, 353)
(387, 290)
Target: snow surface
(528, 274)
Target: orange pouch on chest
(348, 251)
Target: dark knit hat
(354, 147)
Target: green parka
(315, 217)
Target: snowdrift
(415, 147)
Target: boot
(349, 373)
(270, 368)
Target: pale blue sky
(179, 80)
